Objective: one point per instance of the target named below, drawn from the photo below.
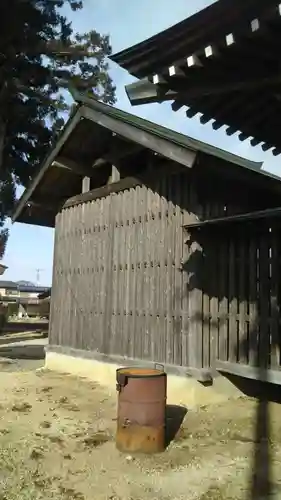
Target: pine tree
(40, 57)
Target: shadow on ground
(25, 326)
(262, 485)
(174, 418)
(33, 351)
(30, 335)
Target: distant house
(46, 295)
(23, 298)
(12, 291)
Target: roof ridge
(174, 136)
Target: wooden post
(195, 334)
(115, 175)
(86, 182)
(194, 288)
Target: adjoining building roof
(8, 284)
(46, 294)
(13, 285)
(222, 62)
(198, 30)
(94, 137)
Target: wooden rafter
(76, 167)
(142, 138)
(200, 87)
(213, 63)
(127, 149)
(251, 30)
(117, 153)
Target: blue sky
(127, 22)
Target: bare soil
(57, 442)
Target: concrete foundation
(181, 390)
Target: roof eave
(69, 127)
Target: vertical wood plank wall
(129, 280)
(118, 278)
(241, 295)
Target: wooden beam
(176, 105)
(254, 142)
(76, 167)
(45, 220)
(199, 87)
(48, 161)
(203, 375)
(127, 183)
(265, 147)
(255, 25)
(249, 216)
(40, 205)
(145, 92)
(88, 171)
(230, 39)
(276, 151)
(157, 79)
(116, 187)
(86, 183)
(191, 112)
(194, 61)
(243, 137)
(231, 130)
(116, 154)
(145, 138)
(115, 175)
(175, 70)
(45, 204)
(250, 372)
(211, 51)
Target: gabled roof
(13, 285)
(167, 134)
(91, 135)
(223, 62)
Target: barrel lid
(140, 372)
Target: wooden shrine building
(166, 249)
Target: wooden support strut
(115, 175)
(249, 372)
(86, 183)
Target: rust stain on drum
(141, 410)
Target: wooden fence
(238, 307)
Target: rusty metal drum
(141, 409)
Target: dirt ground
(57, 441)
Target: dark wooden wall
(239, 296)
(130, 281)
